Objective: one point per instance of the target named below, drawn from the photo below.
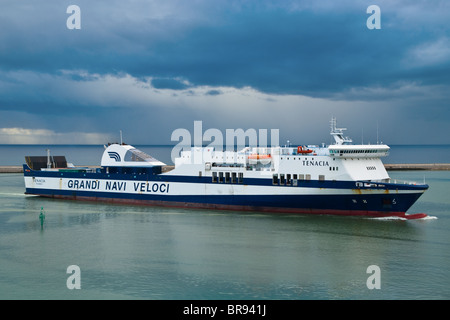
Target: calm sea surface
(133, 252)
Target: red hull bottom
(415, 216)
(173, 204)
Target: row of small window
(292, 179)
(228, 177)
(354, 151)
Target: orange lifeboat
(300, 150)
(259, 156)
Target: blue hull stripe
(372, 202)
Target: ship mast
(49, 163)
(338, 133)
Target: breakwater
(417, 166)
(11, 169)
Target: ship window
(282, 181)
(199, 174)
(288, 179)
(220, 177)
(214, 177)
(275, 179)
(321, 177)
(113, 170)
(136, 155)
(233, 177)
(308, 177)
(227, 177)
(301, 177)
(240, 177)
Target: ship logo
(114, 155)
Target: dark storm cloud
(272, 49)
(138, 62)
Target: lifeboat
(259, 156)
(300, 150)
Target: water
(132, 252)
(127, 252)
(418, 154)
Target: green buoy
(42, 217)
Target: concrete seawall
(11, 169)
(417, 166)
(389, 167)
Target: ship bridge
(359, 151)
(123, 155)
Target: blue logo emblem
(114, 155)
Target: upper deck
(339, 161)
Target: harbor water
(139, 252)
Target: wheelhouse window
(136, 155)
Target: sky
(147, 68)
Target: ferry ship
(339, 179)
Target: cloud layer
(149, 67)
